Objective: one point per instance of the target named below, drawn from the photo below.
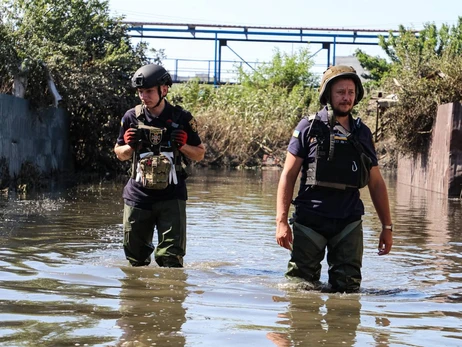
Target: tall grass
(239, 124)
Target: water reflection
(151, 307)
(64, 280)
(320, 320)
(428, 237)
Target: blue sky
(358, 14)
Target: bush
(425, 71)
(241, 123)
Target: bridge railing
(183, 70)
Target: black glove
(179, 137)
(132, 137)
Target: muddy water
(64, 280)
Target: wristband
(389, 227)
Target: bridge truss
(327, 38)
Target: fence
(183, 70)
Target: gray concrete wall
(441, 170)
(41, 138)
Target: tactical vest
(340, 161)
(158, 163)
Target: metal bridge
(326, 38)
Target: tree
(89, 56)
(425, 71)
(9, 61)
(284, 70)
(377, 67)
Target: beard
(341, 113)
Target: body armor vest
(158, 163)
(340, 161)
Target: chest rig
(340, 161)
(158, 163)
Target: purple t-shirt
(134, 193)
(327, 202)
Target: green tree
(284, 70)
(9, 61)
(89, 56)
(377, 68)
(425, 71)
(243, 122)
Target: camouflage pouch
(153, 171)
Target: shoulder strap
(350, 137)
(139, 113)
(331, 137)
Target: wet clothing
(171, 233)
(344, 253)
(162, 209)
(327, 217)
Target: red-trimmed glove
(179, 137)
(132, 137)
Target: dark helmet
(335, 72)
(151, 75)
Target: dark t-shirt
(327, 202)
(134, 193)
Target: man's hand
(131, 137)
(284, 235)
(179, 137)
(385, 241)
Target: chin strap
(160, 97)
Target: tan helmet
(334, 72)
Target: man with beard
(335, 155)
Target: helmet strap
(160, 97)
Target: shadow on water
(64, 280)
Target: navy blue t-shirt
(322, 201)
(134, 193)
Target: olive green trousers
(344, 256)
(168, 218)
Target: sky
(346, 14)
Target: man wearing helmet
(336, 157)
(159, 138)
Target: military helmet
(335, 72)
(151, 75)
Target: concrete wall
(441, 170)
(39, 137)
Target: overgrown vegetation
(89, 56)
(240, 123)
(424, 71)
(43, 39)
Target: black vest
(340, 161)
(157, 139)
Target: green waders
(169, 218)
(344, 256)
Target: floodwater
(64, 280)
